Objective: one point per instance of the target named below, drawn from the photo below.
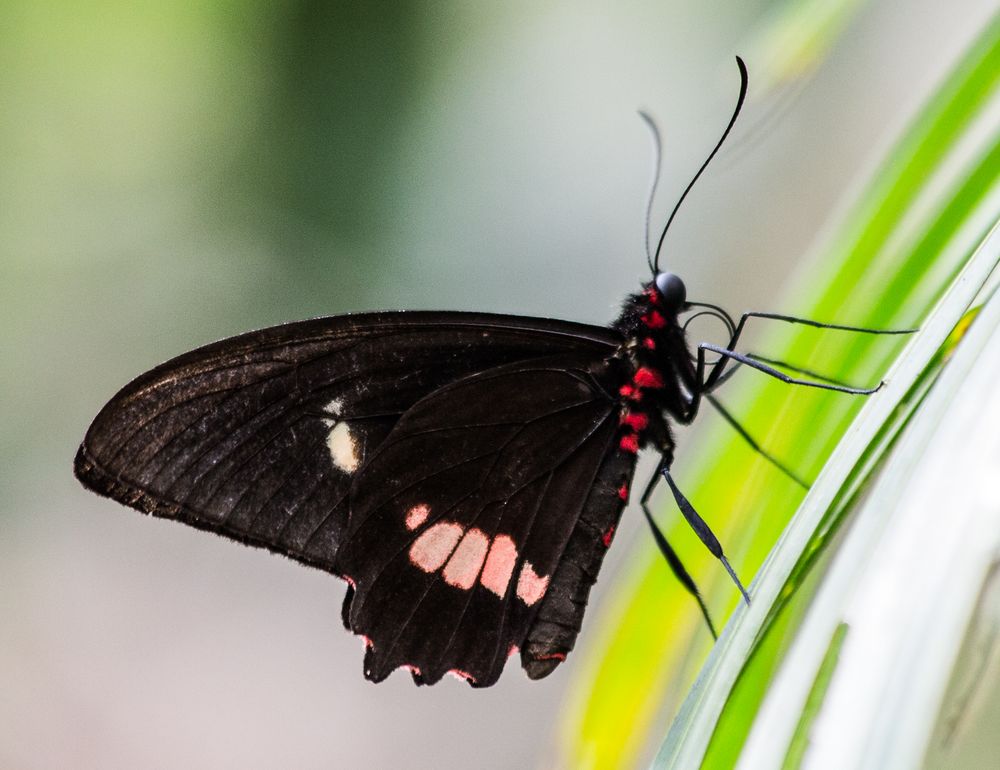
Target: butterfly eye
(672, 289)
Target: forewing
(258, 437)
(462, 515)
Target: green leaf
(906, 244)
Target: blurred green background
(172, 174)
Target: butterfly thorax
(656, 373)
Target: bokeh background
(174, 173)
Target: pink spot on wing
(514, 650)
(417, 515)
(434, 546)
(463, 567)
(531, 587)
(499, 565)
(412, 669)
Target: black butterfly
(463, 472)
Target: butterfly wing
(479, 523)
(259, 437)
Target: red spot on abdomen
(654, 320)
(647, 378)
(606, 537)
(629, 443)
(623, 492)
(636, 421)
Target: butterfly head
(672, 291)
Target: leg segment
(720, 367)
(673, 561)
(753, 444)
(702, 530)
(753, 363)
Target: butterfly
(464, 473)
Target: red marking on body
(463, 567)
(654, 320)
(637, 421)
(531, 587)
(647, 378)
(606, 537)
(552, 656)
(629, 443)
(417, 515)
(649, 343)
(458, 673)
(653, 295)
(499, 565)
(434, 546)
(623, 492)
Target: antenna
(739, 105)
(657, 156)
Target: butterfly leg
(720, 367)
(753, 443)
(779, 363)
(673, 560)
(753, 363)
(701, 529)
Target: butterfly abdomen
(657, 375)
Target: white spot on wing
(335, 407)
(343, 448)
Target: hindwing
(461, 517)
